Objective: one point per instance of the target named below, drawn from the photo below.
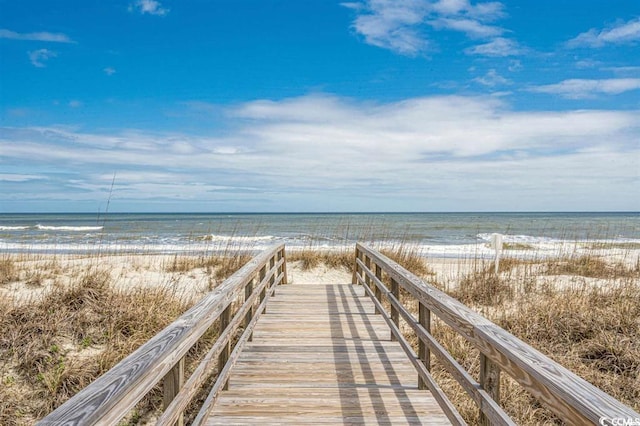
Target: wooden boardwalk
(321, 355)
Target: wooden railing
(110, 397)
(571, 398)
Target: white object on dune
(496, 244)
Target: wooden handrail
(570, 397)
(110, 397)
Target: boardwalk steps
(321, 355)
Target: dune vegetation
(67, 319)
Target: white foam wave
(522, 239)
(13, 228)
(68, 228)
(239, 239)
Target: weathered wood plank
(331, 420)
(324, 365)
(424, 318)
(490, 382)
(172, 383)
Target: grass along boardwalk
(321, 355)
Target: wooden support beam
(282, 255)
(272, 280)
(367, 263)
(395, 290)
(263, 273)
(356, 268)
(248, 290)
(172, 383)
(424, 318)
(224, 355)
(377, 292)
(490, 382)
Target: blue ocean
(442, 234)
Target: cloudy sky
(319, 105)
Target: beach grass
(583, 311)
(59, 338)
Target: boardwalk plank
(320, 355)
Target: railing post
(424, 317)
(225, 318)
(356, 267)
(172, 383)
(394, 312)
(367, 263)
(376, 290)
(490, 382)
(272, 280)
(261, 275)
(248, 290)
(282, 255)
(263, 293)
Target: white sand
(318, 275)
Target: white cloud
(586, 88)
(492, 79)
(109, 71)
(470, 27)
(402, 25)
(626, 32)
(487, 11)
(151, 7)
(624, 70)
(392, 25)
(17, 177)
(587, 63)
(39, 57)
(75, 103)
(497, 47)
(319, 148)
(39, 36)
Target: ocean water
(437, 234)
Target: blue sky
(283, 105)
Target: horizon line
(323, 212)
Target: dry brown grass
(55, 346)
(592, 330)
(219, 265)
(483, 288)
(7, 270)
(310, 258)
(410, 257)
(57, 343)
(590, 266)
